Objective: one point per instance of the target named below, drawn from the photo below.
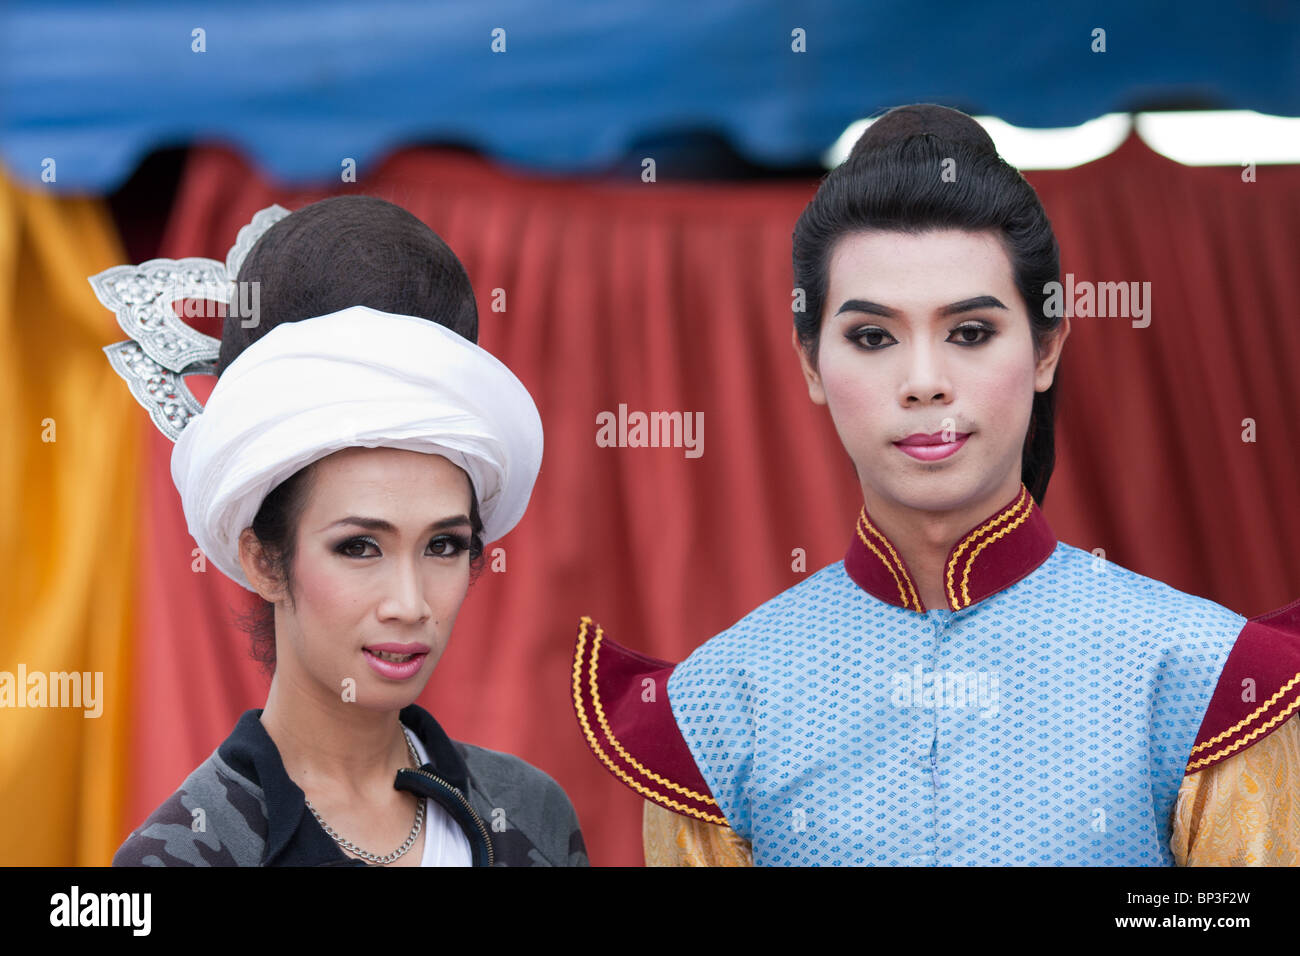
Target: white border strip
(1193, 138)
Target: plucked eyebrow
(956, 308)
(379, 524)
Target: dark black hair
(328, 256)
(345, 251)
(893, 181)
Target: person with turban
(356, 454)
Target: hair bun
(924, 119)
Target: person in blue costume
(962, 688)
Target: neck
(924, 539)
(332, 742)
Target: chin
(931, 488)
(389, 697)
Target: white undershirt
(445, 843)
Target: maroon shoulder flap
(1258, 691)
(621, 700)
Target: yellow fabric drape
(69, 459)
(1244, 811)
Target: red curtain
(668, 297)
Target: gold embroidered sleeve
(671, 839)
(1243, 811)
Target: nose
(925, 379)
(404, 599)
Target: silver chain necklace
(410, 840)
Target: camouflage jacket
(240, 808)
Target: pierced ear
(810, 374)
(253, 559)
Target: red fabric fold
(669, 297)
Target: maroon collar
(989, 558)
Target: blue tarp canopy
(572, 86)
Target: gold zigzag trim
(1281, 716)
(1255, 713)
(902, 595)
(604, 725)
(970, 563)
(957, 552)
(604, 757)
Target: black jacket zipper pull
(423, 782)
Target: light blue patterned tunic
(1048, 723)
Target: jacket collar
(293, 836)
(990, 557)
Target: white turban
(358, 377)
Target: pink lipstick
(396, 661)
(931, 447)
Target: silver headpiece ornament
(414, 385)
(162, 349)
